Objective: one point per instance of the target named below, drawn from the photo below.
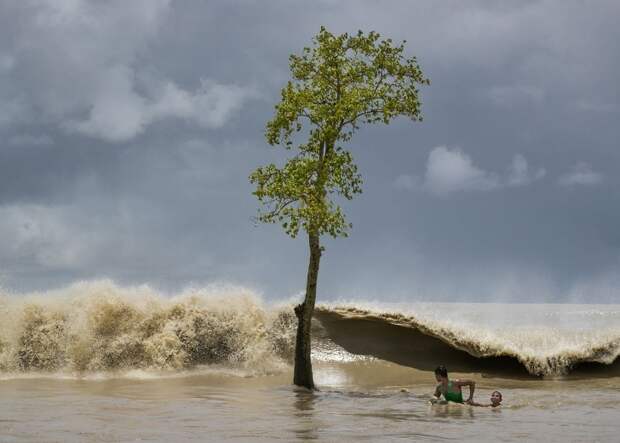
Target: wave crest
(424, 343)
(97, 327)
(100, 326)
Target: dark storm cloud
(128, 132)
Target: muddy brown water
(100, 363)
(357, 401)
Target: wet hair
(442, 371)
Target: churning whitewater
(100, 327)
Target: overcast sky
(128, 131)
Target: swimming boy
(451, 390)
(496, 400)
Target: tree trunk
(303, 364)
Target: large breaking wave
(95, 327)
(543, 346)
(99, 326)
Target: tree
(337, 84)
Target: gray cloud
(118, 113)
(30, 140)
(519, 174)
(96, 85)
(581, 174)
(515, 94)
(128, 130)
(451, 170)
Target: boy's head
(496, 398)
(441, 373)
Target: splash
(99, 326)
(93, 329)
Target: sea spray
(100, 326)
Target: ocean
(98, 362)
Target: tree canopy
(339, 83)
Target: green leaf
(337, 84)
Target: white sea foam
(100, 329)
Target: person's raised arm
(472, 388)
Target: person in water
(451, 390)
(496, 400)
